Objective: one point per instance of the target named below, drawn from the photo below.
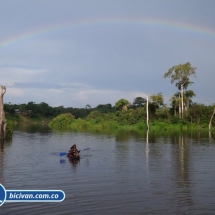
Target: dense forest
(134, 113)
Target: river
(123, 173)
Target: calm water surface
(119, 174)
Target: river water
(124, 173)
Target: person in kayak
(73, 152)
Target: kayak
(73, 157)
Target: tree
(122, 104)
(211, 119)
(180, 74)
(44, 109)
(31, 108)
(139, 101)
(175, 102)
(195, 113)
(157, 100)
(104, 108)
(187, 97)
(88, 107)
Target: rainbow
(108, 21)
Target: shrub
(62, 121)
(9, 130)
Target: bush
(62, 121)
(9, 130)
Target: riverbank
(18, 118)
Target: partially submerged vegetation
(131, 120)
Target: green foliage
(94, 115)
(62, 121)
(9, 129)
(121, 103)
(141, 126)
(163, 113)
(157, 100)
(139, 102)
(104, 108)
(79, 123)
(134, 119)
(181, 73)
(44, 109)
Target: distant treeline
(32, 109)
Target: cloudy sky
(79, 52)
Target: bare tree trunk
(147, 112)
(211, 119)
(2, 114)
(125, 108)
(182, 101)
(185, 110)
(179, 110)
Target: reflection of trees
(33, 128)
(74, 162)
(124, 136)
(211, 137)
(181, 163)
(147, 150)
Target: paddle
(64, 153)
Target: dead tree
(211, 119)
(147, 113)
(2, 114)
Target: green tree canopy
(122, 104)
(44, 109)
(157, 100)
(180, 74)
(62, 120)
(139, 101)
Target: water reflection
(33, 128)
(210, 137)
(147, 150)
(62, 161)
(124, 136)
(124, 173)
(181, 158)
(74, 162)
